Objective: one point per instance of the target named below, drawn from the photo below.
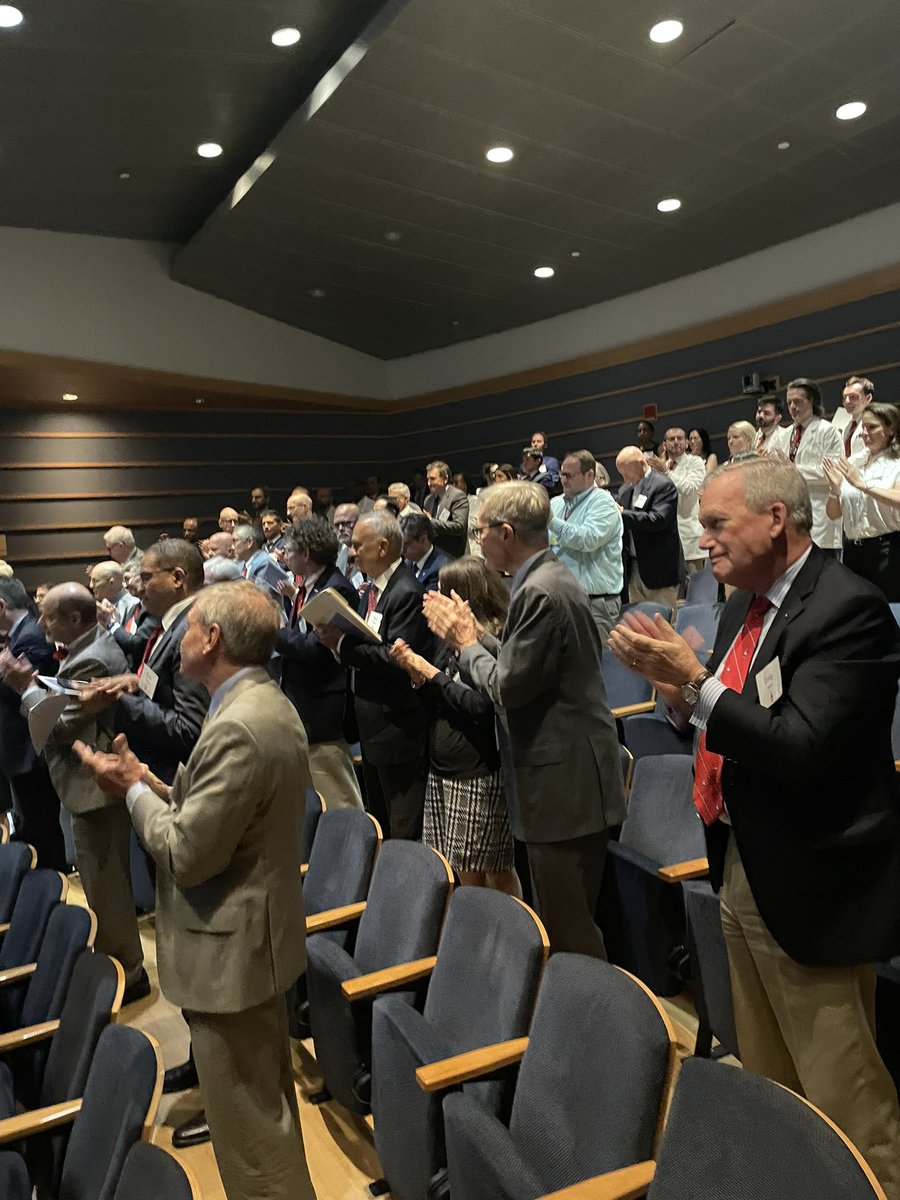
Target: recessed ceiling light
(209, 149)
(784, 145)
(10, 17)
(544, 272)
(499, 154)
(576, 254)
(317, 293)
(69, 396)
(286, 37)
(199, 400)
(672, 204)
(124, 174)
(454, 322)
(392, 235)
(666, 31)
(850, 111)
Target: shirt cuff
(556, 524)
(136, 789)
(710, 692)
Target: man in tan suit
(230, 923)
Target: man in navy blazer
(651, 547)
(807, 845)
(36, 800)
(393, 721)
(311, 677)
(422, 556)
(249, 551)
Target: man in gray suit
(230, 924)
(100, 825)
(543, 675)
(448, 510)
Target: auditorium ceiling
(353, 197)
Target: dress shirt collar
(310, 581)
(15, 625)
(420, 562)
(173, 613)
(383, 579)
(224, 688)
(570, 505)
(519, 577)
(782, 584)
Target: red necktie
(244, 570)
(60, 653)
(151, 642)
(708, 766)
(796, 435)
(848, 438)
(132, 619)
(299, 601)
(371, 599)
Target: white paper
(58, 687)
(768, 684)
(44, 716)
(147, 681)
(330, 608)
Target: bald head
(68, 611)
(631, 464)
(228, 518)
(107, 580)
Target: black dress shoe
(180, 1078)
(192, 1132)
(138, 990)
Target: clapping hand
(451, 619)
(419, 669)
(653, 649)
(15, 671)
(105, 613)
(116, 772)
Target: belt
(879, 537)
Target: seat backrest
(15, 862)
(649, 608)
(152, 1174)
(626, 761)
(698, 624)
(702, 586)
(489, 962)
(340, 862)
(314, 809)
(121, 1094)
(596, 1074)
(662, 822)
(405, 907)
(39, 892)
(709, 963)
(733, 1133)
(623, 687)
(94, 995)
(70, 929)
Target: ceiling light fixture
(69, 396)
(499, 154)
(286, 37)
(544, 272)
(575, 254)
(850, 111)
(666, 31)
(671, 204)
(124, 174)
(199, 400)
(209, 149)
(317, 293)
(784, 145)
(392, 235)
(10, 17)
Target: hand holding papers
(330, 608)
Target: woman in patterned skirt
(465, 807)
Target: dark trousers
(878, 560)
(395, 796)
(565, 881)
(37, 802)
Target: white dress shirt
(865, 516)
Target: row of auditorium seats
(77, 1092)
(489, 1074)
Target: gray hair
(102, 571)
(119, 533)
(402, 488)
(523, 505)
(440, 467)
(219, 570)
(253, 532)
(384, 525)
(766, 481)
(248, 618)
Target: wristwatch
(690, 692)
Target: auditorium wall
(67, 476)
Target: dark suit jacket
(809, 783)
(428, 575)
(450, 520)
(654, 529)
(163, 731)
(392, 717)
(17, 756)
(311, 678)
(545, 676)
(133, 644)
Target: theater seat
(40, 892)
(710, 978)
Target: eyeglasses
(481, 530)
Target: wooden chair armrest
(896, 768)
(27, 1035)
(14, 974)
(694, 868)
(364, 987)
(631, 710)
(626, 1184)
(4, 927)
(304, 868)
(450, 1072)
(38, 1120)
(333, 918)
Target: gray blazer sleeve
(528, 660)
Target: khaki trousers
(102, 850)
(810, 1029)
(639, 593)
(244, 1066)
(333, 777)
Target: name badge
(147, 682)
(373, 620)
(768, 684)
(640, 501)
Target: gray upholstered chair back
(702, 587)
(70, 929)
(405, 906)
(39, 894)
(15, 863)
(662, 823)
(592, 1083)
(340, 861)
(152, 1174)
(623, 687)
(14, 1181)
(121, 1085)
(312, 811)
(698, 623)
(733, 1133)
(709, 964)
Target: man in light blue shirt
(586, 533)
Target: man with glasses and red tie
(803, 836)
